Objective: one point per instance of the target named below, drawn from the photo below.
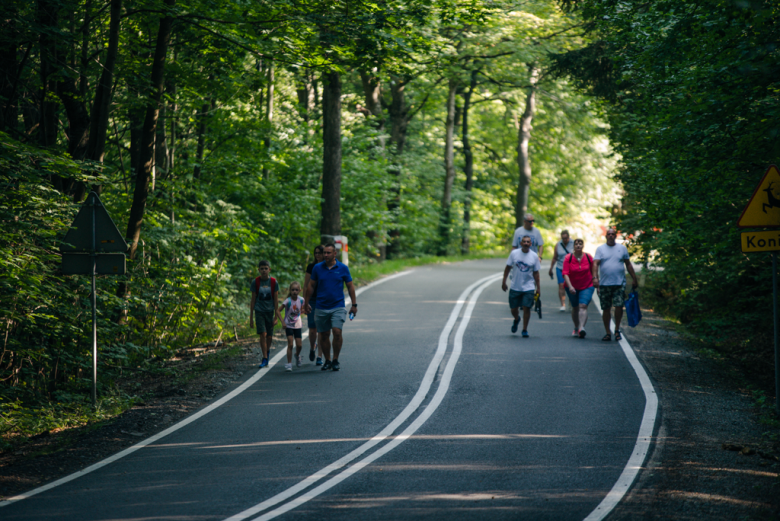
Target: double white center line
(387, 432)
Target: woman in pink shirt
(579, 281)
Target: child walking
(292, 306)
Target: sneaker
(288, 368)
(326, 365)
(335, 365)
(312, 354)
(574, 333)
(582, 333)
(319, 360)
(298, 361)
(263, 363)
(563, 308)
(514, 325)
(525, 333)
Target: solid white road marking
(643, 440)
(251, 381)
(422, 392)
(444, 386)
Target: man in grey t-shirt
(528, 229)
(612, 260)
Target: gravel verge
(713, 457)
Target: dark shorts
(523, 299)
(264, 322)
(295, 333)
(559, 274)
(310, 319)
(612, 296)
(583, 296)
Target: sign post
(90, 248)
(763, 211)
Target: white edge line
(643, 440)
(413, 405)
(243, 387)
(410, 430)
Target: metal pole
(777, 332)
(94, 307)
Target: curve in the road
(643, 440)
(414, 404)
(222, 401)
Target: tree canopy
(212, 131)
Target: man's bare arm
(352, 297)
(506, 274)
(630, 268)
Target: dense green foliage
(694, 105)
(236, 167)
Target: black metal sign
(93, 246)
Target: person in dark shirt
(318, 256)
(263, 308)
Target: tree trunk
(102, 105)
(303, 89)
(523, 137)
(468, 167)
(202, 115)
(172, 109)
(148, 133)
(331, 156)
(449, 171)
(9, 75)
(48, 16)
(372, 93)
(269, 118)
(399, 122)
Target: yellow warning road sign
(763, 209)
(760, 241)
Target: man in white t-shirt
(612, 260)
(537, 243)
(525, 282)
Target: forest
(221, 133)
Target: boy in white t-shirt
(525, 282)
(293, 306)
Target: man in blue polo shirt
(328, 279)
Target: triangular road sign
(763, 209)
(107, 236)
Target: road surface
(438, 412)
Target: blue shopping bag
(633, 312)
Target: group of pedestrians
(322, 301)
(578, 274)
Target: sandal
(606, 338)
(618, 336)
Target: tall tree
(445, 220)
(523, 138)
(331, 156)
(149, 131)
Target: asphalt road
(537, 428)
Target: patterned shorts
(612, 296)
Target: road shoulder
(711, 459)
